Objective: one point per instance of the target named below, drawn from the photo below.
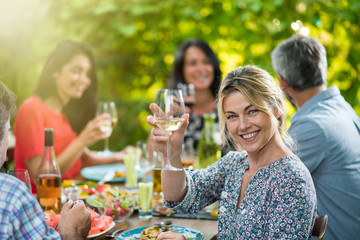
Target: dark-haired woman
(196, 63)
(65, 100)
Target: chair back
(320, 226)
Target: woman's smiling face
(251, 128)
(198, 68)
(73, 79)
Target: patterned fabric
(31, 120)
(21, 217)
(279, 202)
(327, 131)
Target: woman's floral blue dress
(279, 202)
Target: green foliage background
(135, 40)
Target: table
(207, 227)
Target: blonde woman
(265, 191)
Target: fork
(114, 233)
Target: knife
(107, 177)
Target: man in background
(326, 130)
(21, 217)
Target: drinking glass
(146, 161)
(109, 124)
(188, 91)
(130, 159)
(169, 117)
(188, 155)
(146, 194)
(21, 174)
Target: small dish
(119, 207)
(118, 213)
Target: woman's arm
(173, 183)
(74, 150)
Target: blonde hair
(260, 89)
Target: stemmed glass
(108, 124)
(21, 174)
(146, 161)
(188, 91)
(169, 117)
(188, 156)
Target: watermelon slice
(98, 225)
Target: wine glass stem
(168, 149)
(106, 144)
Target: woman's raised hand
(160, 136)
(92, 131)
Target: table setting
(199, 226)
(125, 200)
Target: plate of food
(96, 199)
(151, 232)
(96, 173)
(115, 197)
(88, 188)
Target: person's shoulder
(11, 188)
(326, 111)
(30, 104)
(308, 125)
(292, 166)
(234, 157)
(9, 181)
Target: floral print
(279, 201)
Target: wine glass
(107, 125)
(21, 174)
(188, 156)
(169, 117)
(146, 161)
(188, 91)
(114, 115)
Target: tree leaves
(135, 41)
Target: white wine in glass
(171, 109)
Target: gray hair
(7, 107)
(301, 62)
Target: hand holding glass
(169, 117)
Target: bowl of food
(119, 207)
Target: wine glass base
(105, 153)
(171, 168)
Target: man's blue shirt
(327, 131)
